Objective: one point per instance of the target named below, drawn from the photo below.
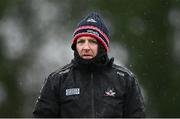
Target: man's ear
(101, 49)
(73, 46)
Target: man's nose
(86, 45)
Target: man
(91, 85)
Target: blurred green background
(35, 39)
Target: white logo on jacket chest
(72, 91)
(110, 92)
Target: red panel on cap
(95, 28)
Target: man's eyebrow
(80, 39)
(92, 39)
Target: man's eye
(93, 41)
(80, 41)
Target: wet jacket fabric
(103, 91)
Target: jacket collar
(100, 61)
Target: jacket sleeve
(47, 104)
(134, 104)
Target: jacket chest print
(110, 92)
(72, 91)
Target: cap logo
(94, 32)
(91, 20)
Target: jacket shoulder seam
(64, 69)
(123, 70)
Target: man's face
(87, 47)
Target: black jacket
(103, 91)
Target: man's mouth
(87, 56)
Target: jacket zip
(92, 92)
